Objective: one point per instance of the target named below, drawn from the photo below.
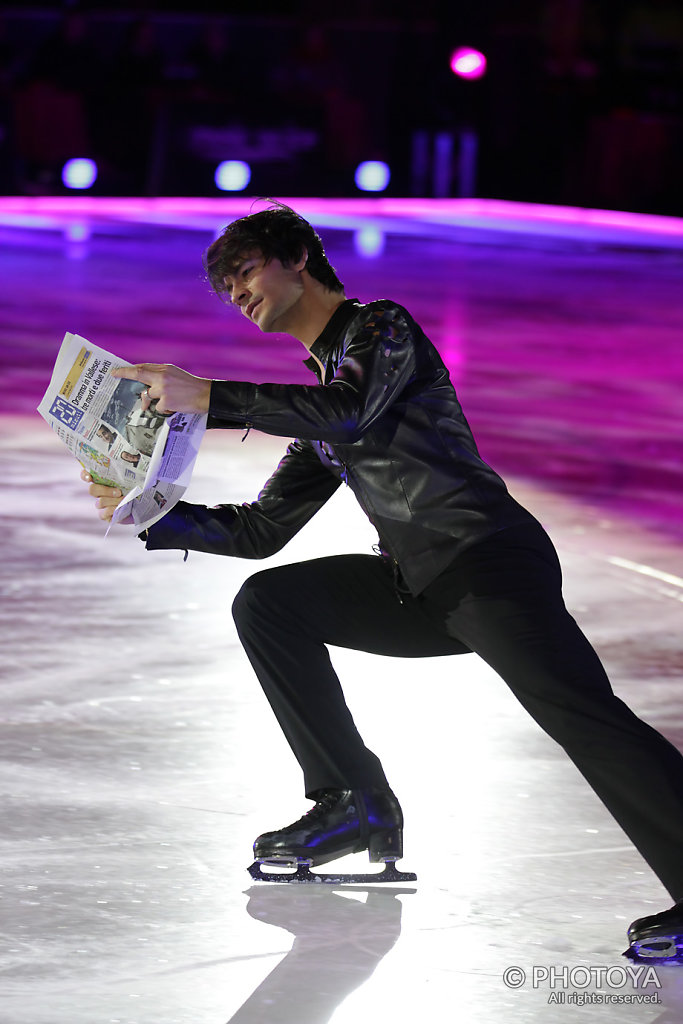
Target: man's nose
(239, 295)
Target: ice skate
(657, 939)
(343, 821)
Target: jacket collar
(322, 346)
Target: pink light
(401, 215)
(468, 63)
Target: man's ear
(302, 261)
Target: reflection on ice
(338, 943)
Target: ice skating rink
(139, 758)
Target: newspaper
(115, 432)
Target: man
(461, 566)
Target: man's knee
(256, 596)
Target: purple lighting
(468, 63)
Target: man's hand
(107, 498)
(175, 389)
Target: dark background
(581, 105)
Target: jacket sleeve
(297, 489)
(377, 362)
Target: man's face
(266, 293)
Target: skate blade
(303, 873)
(665, 949)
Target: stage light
(232, 175)
(79, 173)
(468, 63)
(372, 176)
(368, 241)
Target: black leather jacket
(385, 419)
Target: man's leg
(286, 616)
(503, 600)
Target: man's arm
(297, 489)
(378, 361)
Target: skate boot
(342, 821)
(658, 938)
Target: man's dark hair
(278, 232)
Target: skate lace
(323, 804)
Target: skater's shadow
(338, 943)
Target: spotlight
(79, 173)
(372, 176)
(468, 63)
(232, 175)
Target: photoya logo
(583, 977)
(568, 984)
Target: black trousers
(501, 599)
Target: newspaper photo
(116, 433)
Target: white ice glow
(129, 812)
(369, 242)
(77, 231)
(647, 570)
